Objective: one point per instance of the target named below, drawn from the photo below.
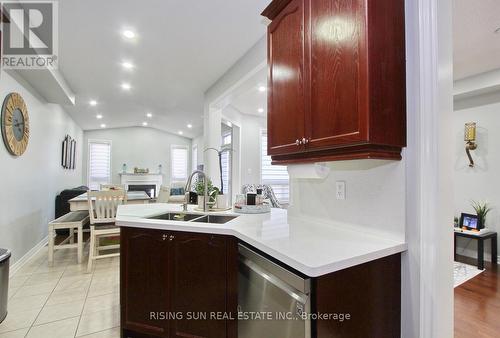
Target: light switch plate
(340, 190)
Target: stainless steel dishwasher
(272, 301)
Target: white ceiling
(182, 47)
(476, 45)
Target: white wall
(375, 196)
(482, 182)
(199, 142)
(251, 148)
(31, 182)
(137, 147)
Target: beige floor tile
(15, 334)
(40, 278)
(99, 303)
(18, 320)
(74, 283)
(28, 303)
(60, 311)
(99, 321)
(18, 281)
(60, 329)
(99, 289)
(12, 292)
(113, 333)
(65, 297)
(32, 290)
(44, 268)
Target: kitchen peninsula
(180, 263)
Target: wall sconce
(470, 138)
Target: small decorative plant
(482, 209)
(199, 186)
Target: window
(194, 158)
(226, 159)
(99, 164)
(179, 158)
(274, 175)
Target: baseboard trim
(20, 263)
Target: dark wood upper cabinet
(286, 80)
(345, 79)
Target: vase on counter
(159, 168)
(221, 201)
(124, 168)
(201, 200)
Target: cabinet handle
(164, 237)
(304, 140)
(297, 142)
(171, 237)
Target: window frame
(102, 141)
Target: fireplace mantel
(128, 179)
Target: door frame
(427, 266)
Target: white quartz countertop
(309, 246)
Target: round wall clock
(15, 124)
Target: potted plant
(482, 209)
(199, 188)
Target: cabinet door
(145, 277)
(338, 85)
(200, 281)
(286, 103)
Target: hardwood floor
(477, 304)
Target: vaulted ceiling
(181, 47)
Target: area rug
(463, 272)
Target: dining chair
(102, 211)
(108, 187)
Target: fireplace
(150, 183)
(149, 189)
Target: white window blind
(274, 175)
(99, 164)
(226, 172)
(179, 159)
(194, 158)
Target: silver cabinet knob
(304, 141)
(164, 237)
(171, 237)
(297, 142)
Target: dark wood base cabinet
(168, 273)
(169, 279)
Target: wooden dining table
(80, 202)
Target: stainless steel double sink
(190, 217)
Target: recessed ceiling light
(103, 125)
(260, 110)
(180, 132)
(149, 115)
(190, 126)
(98, 116)
(127, 65)
(126, 86)
(93, 102)
(128, 34)
(262, 89)
(144, 124)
